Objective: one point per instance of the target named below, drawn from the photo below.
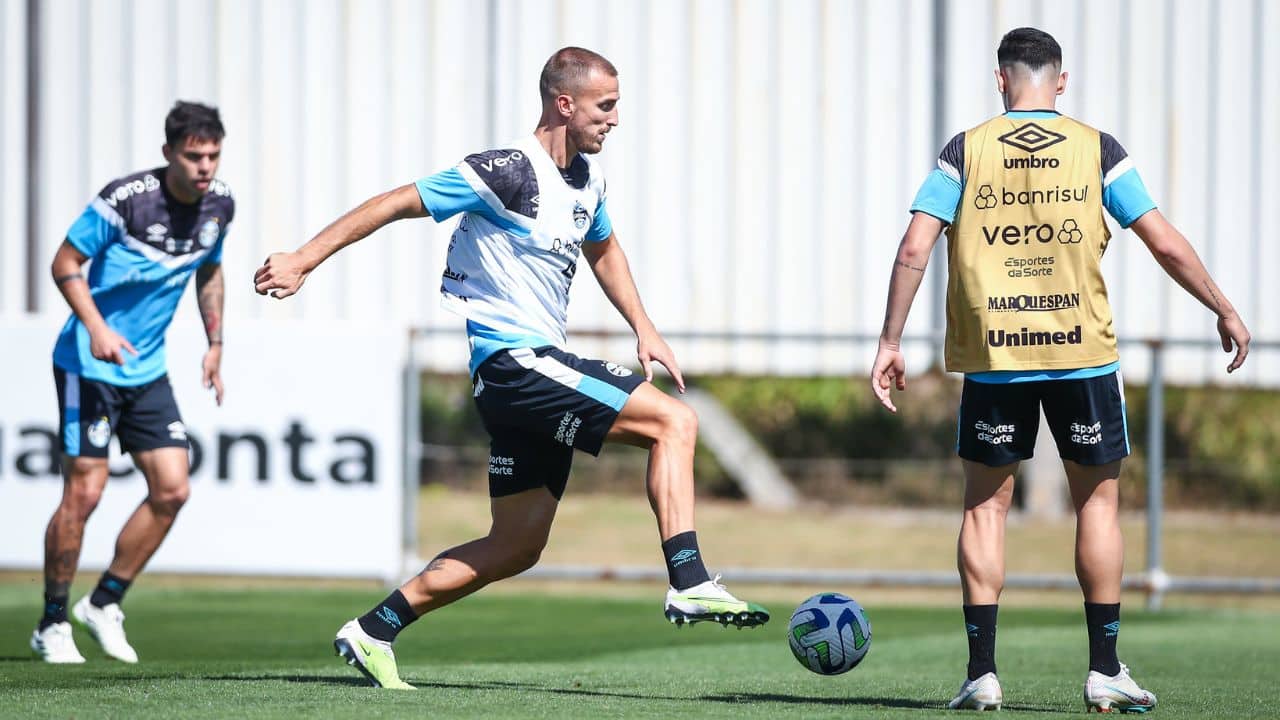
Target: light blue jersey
(144, 246)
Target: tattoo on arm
(1217, 304)
(437, 563)
(908, 266)
(209, 295)
(64, 279)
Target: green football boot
(711, 602)
(372, 657)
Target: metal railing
(1154, 581)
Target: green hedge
(834, 440)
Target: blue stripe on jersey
(939, 196)
(1127, 199)
(601, 227)
(91, 232)
(447, 193)
(1003, 377)
(602, 392)
(215, 255)
(485, 341)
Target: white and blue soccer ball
(829, 633)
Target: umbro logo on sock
(682, 557)
(971, 629)
(1112, 628)
(389, 616)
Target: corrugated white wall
(759, 180)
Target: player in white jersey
(529, 210)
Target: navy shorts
(144, 417)
(998, 422)
(538, 405)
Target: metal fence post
(411, 454)
(1157, 580)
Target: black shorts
(538, 405)
(998, 422)
(144, 417)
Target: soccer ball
(829, 633)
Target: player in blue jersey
(1029, 324)
(146, 235)
(530, 210)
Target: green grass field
(266, 653)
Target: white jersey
(515, 251)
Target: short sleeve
(601, 227)
(1123, 193)
(942, 189)
(447, 193)
(96, 228)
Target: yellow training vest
(1025, 288)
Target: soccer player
(1028, 323)
(146, 234)
(529, 210)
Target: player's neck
(1025, 101)
(555, 140)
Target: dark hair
(1029, 46)
(189, 119)
(568, 68)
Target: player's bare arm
(282, 274)
(209, 295)
(613, 272)
(908, 270)
(105, 344)
(1181, 262)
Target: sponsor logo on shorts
(1028, 338)
(616, 369)
(499, 465)
(479, 388)
(177, 430)
(1082, 434)
(1033, 303)
(995, 435)
(568, 429)
(100, 432)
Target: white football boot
(1117, 692)
(981, 694)
(54, 644)
(106, 625)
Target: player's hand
(1233, 333)
(889, 368)
(650, 347)
(281, 275)
(107, 345)
(211, 371)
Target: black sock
(55, 610)
(1103, 620)
(110, 590)
(980, 624)
(684, 561)
(388, 617)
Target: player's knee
(168, 501)
(680, 424)
(525, 555)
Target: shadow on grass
(737, 698)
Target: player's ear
(1062, 82)
(1000, 81)
(564, 105)
(167, 152)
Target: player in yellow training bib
(1021, 197)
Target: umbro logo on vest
(1031, 138)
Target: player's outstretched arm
(209, 294)
(613, 272)
(917, 244)
(282, 274)
(1181, 262)
(104, 343)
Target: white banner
(298, 473)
